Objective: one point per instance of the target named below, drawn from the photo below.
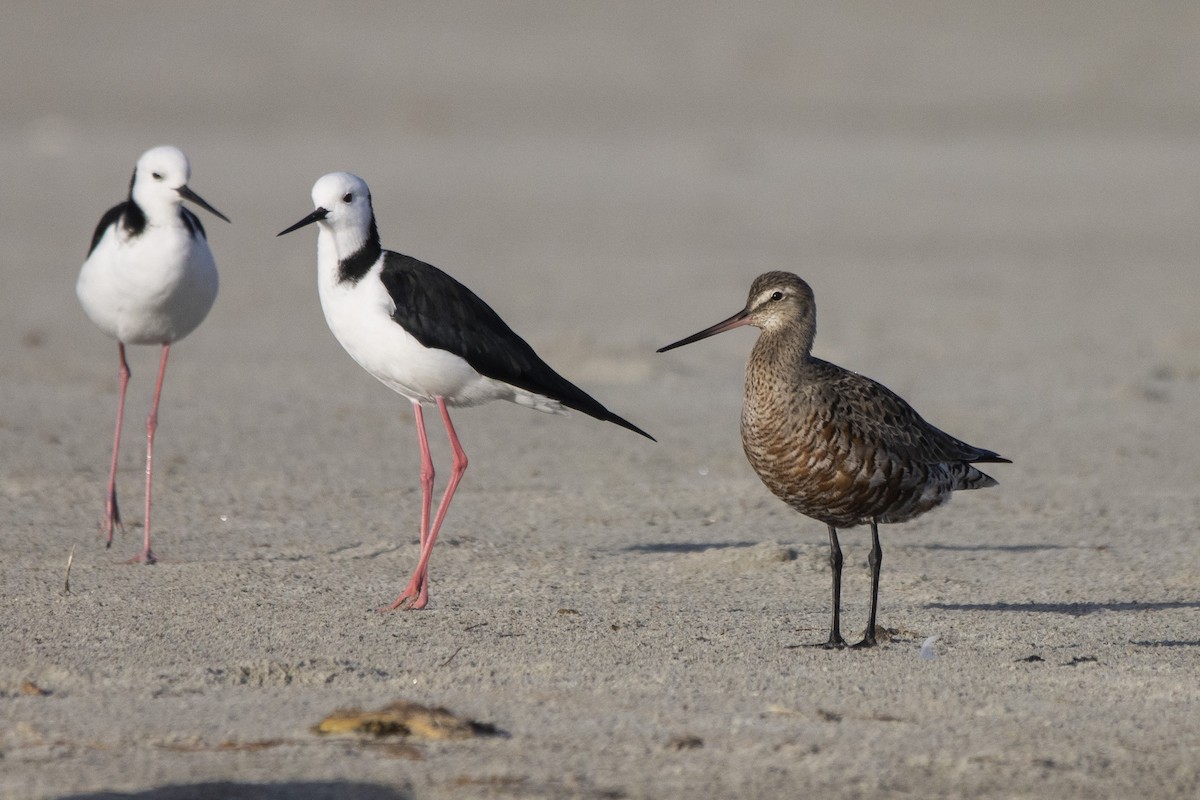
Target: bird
(149, 279)
(425, 336)
(835, 445)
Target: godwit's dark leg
(459, 467)
(147, 555)
(112, 514)
(835, 566)
(875, 560)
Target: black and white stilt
(149, 278)
(427, 337)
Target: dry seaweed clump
(402, 718)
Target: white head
(346, 198)
(343, 210)
(160, 183)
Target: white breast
(360, 316)
(155, 288)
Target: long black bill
(736, 321)
(316, 216)
(188, 194)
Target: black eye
(347, 197)
(157, 176)
(776, 295)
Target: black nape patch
(128, 215)
(353, 267)
(133, 220)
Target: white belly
(154, 289)
(360, 317)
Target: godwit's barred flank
(425, 336)
(149, 278)
(833, 444)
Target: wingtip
(636, 429)
(624, 423)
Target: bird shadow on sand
(1083, 609)
(226, 790)
(686, 547)
(1001, 548)
(1071, 609)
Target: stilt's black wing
(442, 313)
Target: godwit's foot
(836, 642)
(868, 640)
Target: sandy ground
(997, 209)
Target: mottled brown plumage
(833, 444)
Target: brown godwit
(833, 444)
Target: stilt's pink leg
(427, 473)
(419, 583)
(421, 597)
(112, 514)
(147, 555)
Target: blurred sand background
(997, 207)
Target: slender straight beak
(315, 216)
(736, 321)
(188, 194)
